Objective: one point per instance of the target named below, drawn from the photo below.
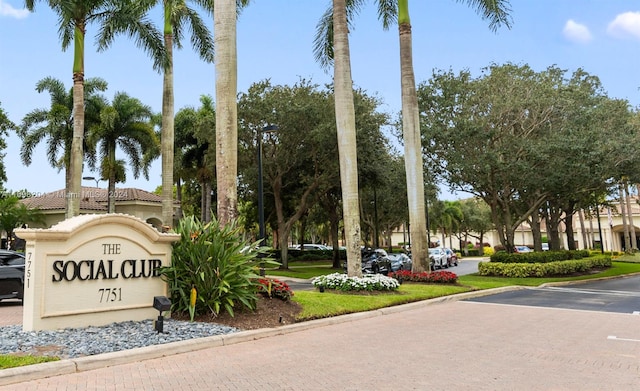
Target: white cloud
(576, 32)
(8, 10)
(626, 25)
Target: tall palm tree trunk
(412, 144)
(226, 109)
(167, 139)
(346, 127)
(73, 192)
(111, 187)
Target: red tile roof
(92, 198)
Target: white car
(439, 257)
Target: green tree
(476, 221)
(332, 47)
(55, 123)
(5, 126)
(14, 214)
(447, 217)
(294, 157)
(203, 153)
(124, 124)
(526, 142)
(113, 17)
(389, 11)
(177, 16)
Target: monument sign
(92, 270)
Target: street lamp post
(91, 178)
(261, 224)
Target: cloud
(625, 25)
(576, 32)
(8, 10)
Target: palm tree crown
(125, 124)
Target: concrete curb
(87, 363)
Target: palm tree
(113, 17)
(346, 127)
(388, 12)
(176, 15)
(224, 19)
(124, 124)
(56, 123)
(332, 45)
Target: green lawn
(9, 361)
(321, 305)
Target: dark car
(375, 261)
(11, 275)
(400, 261)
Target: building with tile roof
(136, 202)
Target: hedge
(539, 256)
(555, 268)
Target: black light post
(428, 227)
(261, 224)
(600, 228)
(375, 217)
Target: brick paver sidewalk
(444, 346)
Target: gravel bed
(86, 341)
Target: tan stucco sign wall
(93, 270)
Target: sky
(275, 41)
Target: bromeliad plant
(273, 288)
(369, 282)
(217, 264)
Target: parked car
(400, 261)
(452, 258)
(523, 249)
(439, 258)
(309, 246)
(545, 246)
(11, 275)
(375, 261)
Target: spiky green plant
(214, 260)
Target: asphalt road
(620, 295)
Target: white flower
(368, 282)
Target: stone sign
(92, 270)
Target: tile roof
(92, 198)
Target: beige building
(136, 202)
(586, 236)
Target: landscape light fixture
(161, 303)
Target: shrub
(441, 277)
(556, 268)
(272, 288)
(539, 256)
(368, 282)
(488, 251)
(213, 259)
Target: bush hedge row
(539, 256)
(543, 269)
